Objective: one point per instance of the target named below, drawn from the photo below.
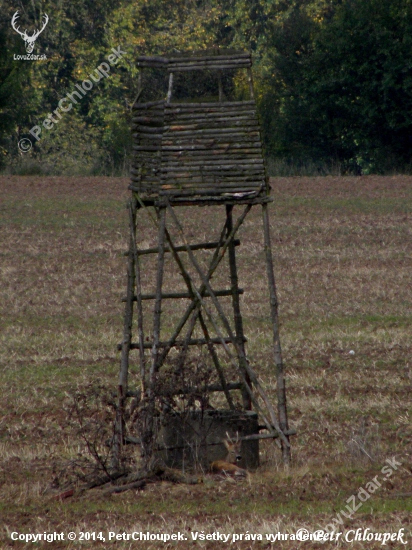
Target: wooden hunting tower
(192, 151)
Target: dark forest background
(333, 79)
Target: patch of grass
(292, 168)
(344, 205)
(61, 213)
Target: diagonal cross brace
(197, 314)
(132, 222)
(232, 359)
(217, 258)
(243, 361)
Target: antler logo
(29, 40)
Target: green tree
(12, 109)
(78, 38)
(347, 90)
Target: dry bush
(90, 413)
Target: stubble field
(343, 263)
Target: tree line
(333, 78)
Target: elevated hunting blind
(194, 381)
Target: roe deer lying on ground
(228, 466)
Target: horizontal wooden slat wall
(197, 149)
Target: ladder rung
(181, 343)
(174, 295)
(182, 248)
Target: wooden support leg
(240, 336)
(139, 305)
(147, 414)
(127, 338)
(158, 300)
(280, 379)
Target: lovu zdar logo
(29, 40)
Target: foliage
(11, 85)
(332, 77)
(71, 148)
(343, 86)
